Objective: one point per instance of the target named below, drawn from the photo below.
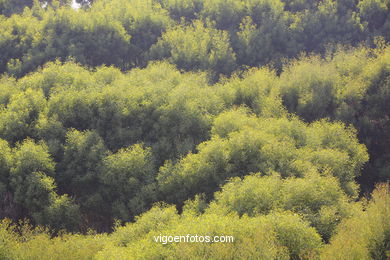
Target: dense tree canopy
(196, 48)
(216, 35)
(267, 120)
(9, 7)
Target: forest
(265, 120)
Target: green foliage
(6, 204)
(183, 9)
(196, 47)
(253, 195)
(262, 36)
(9, 7)
(80, 167)
(156, 219)
(129, 176)
(22, 241)
(8, 240)
(41, 246)
(263, 237)
(30, 176)
(62, 214)
(266, 146)
(279, 235)
(98, 101)
(352, 86)
(366, 235)
(300, 5)
(260, 31)
(20, 116)
(313, 197)
(309, 87)
(272, 156)
(18, 33)
(143, 20)
(85, 36)
(330, 22)
(255, 90)
(27, 176)
(225, 14)
(301, 240)
(375, 14)
(7, 87)
(5, 164)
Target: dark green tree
(128, 178)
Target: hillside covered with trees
(266, 120)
